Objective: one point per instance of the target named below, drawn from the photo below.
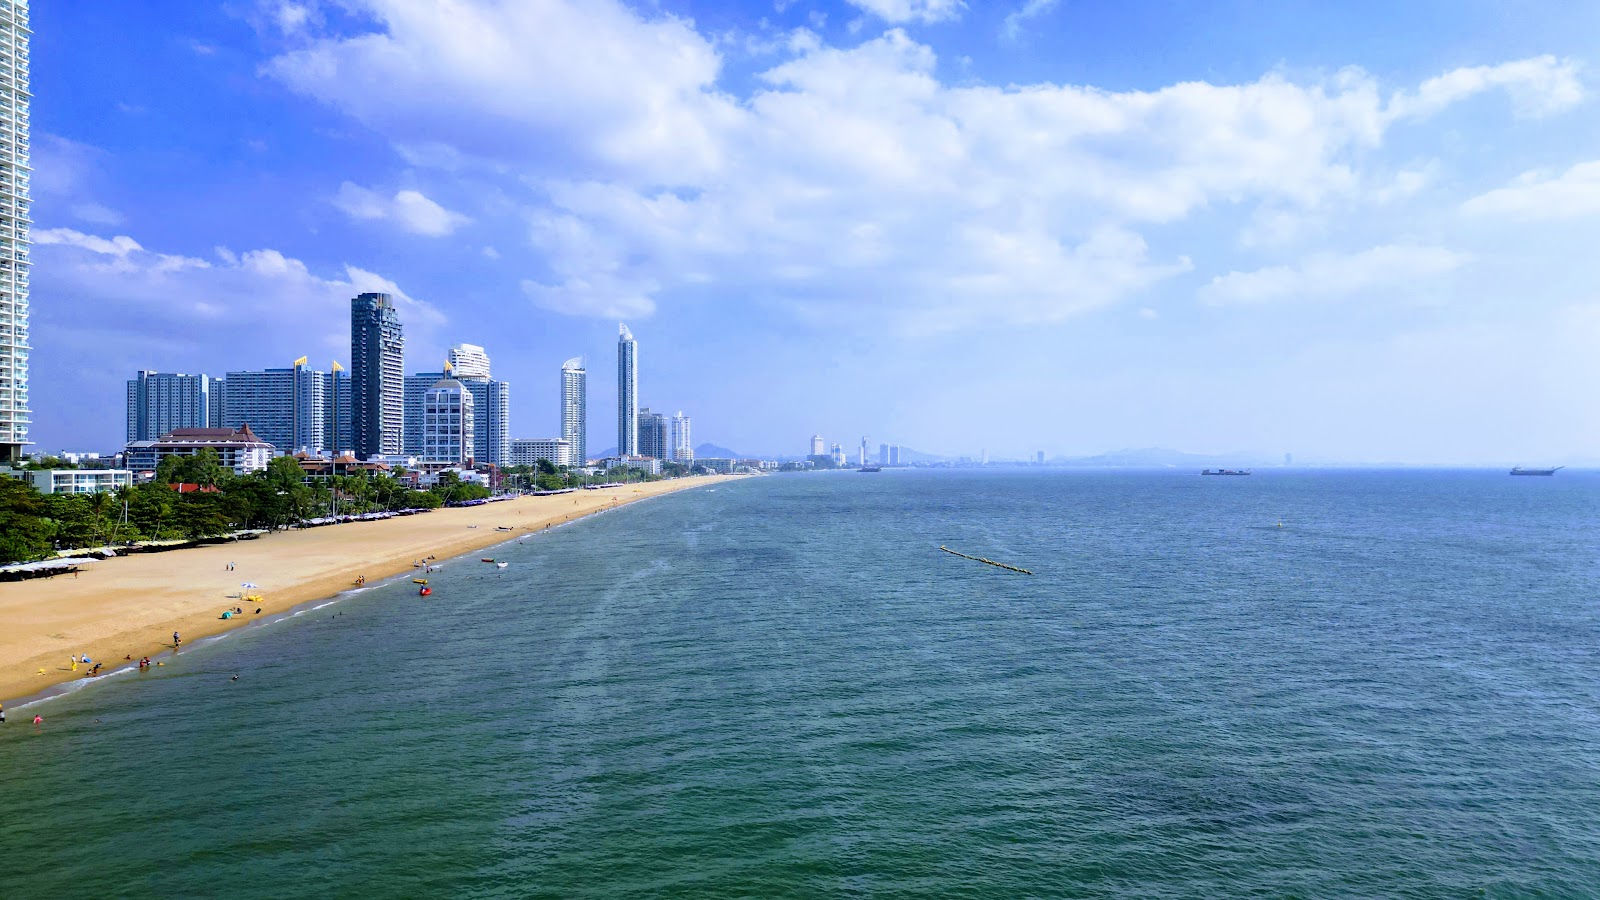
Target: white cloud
(1538, 86)
(899, 12)
(409, 209)
(517, 81)
(850, 177)
(1333, 275)
(1012, 27)
(260, 299)
(1572, 194)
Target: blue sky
(1352, 231)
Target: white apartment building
(15, 201)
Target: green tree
(25, 533)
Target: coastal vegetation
(196, 497)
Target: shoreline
(130, 605)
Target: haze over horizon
(1360, 233)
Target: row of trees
(33, 525)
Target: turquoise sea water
(779, 687)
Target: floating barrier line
(998, 565)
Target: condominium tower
(574, 409)
(627, 393)
(654, 437)
(682, 448)
(159, 402)
(469, 361)
(491, 412)
(15, 198)
(377, 376)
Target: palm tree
(99, 502)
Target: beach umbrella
(250, 584)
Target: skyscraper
(863, 454)
(816, 445)
(158, 402)
(682, 447)
(654, 437)
(377, 376)
(574, 409)
(15, 199)
(627, 393)
(883, 454)
(469, 361)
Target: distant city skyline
(1205, 229)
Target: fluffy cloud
(1333, 275)
(850, 177)
(899, 12)
(1538, 86)
(259, 298)
(1573, 193)
(409, 209)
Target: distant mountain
(604, 454)
(1156, 457)
(715, 452)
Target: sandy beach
(130, 606)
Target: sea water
(1300, 683)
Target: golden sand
(130, 606)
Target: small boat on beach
(487, 559)
(501, 565)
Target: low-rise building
(720, 465)
(643, 463)
(72, 481)
(239, 449)
(528, 451)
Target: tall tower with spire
(627, 392)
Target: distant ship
(1521, 471)
(1224, 471)
(870, 469)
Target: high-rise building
(838, 455)
(682, 445)
(817, 448)
(575, 409)
(627, 393)
(15, 201)
(469, 361)
(491, 411)
(447, 423)
(377, 376)
(862, 457)
(655, 439)
(158, 402)
(883, 454)
(894, 456)
(296, 410)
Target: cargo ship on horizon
(1518, 470)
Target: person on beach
(95, 670)
(176, 640)
(74, 661)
